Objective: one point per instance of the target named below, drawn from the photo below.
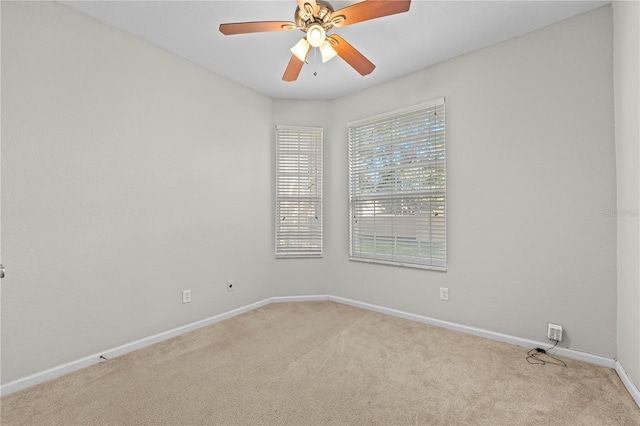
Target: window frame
(367, 204)
(312, 198)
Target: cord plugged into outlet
(542, 356)
(554, 332)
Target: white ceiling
(430, 32)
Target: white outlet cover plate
(444, 293)
(554, 332)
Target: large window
(298, 191)
(397, 187)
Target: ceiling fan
(315, 18)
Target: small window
(298, 192)
(397, 185)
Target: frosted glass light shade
(300, 49)
(316, 35)
(327, 51)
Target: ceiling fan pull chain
(315, 62)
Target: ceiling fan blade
(370, 9)
(293, 69)
(313, 4)
(351, 56)
(256, 27)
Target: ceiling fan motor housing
(305, 18)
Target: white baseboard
(526, 343)
(70, 367)
(628, 383)
(88, 361)
(313, 298)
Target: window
(298, 192)
(397, 187)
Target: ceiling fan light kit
(316, 35)
(327, 51)
(316, 18)
(301, 49)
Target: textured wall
(128, 175)
(531, 173)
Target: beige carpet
(326, 363)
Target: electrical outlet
(444, 293)
(230, 285)
(554, 332)
(186, 296)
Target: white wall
(118, 191)
(626, 20)
(530, 174)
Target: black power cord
(541, 356)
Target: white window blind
(397, 183)
(298, 191)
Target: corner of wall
(626, 70)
